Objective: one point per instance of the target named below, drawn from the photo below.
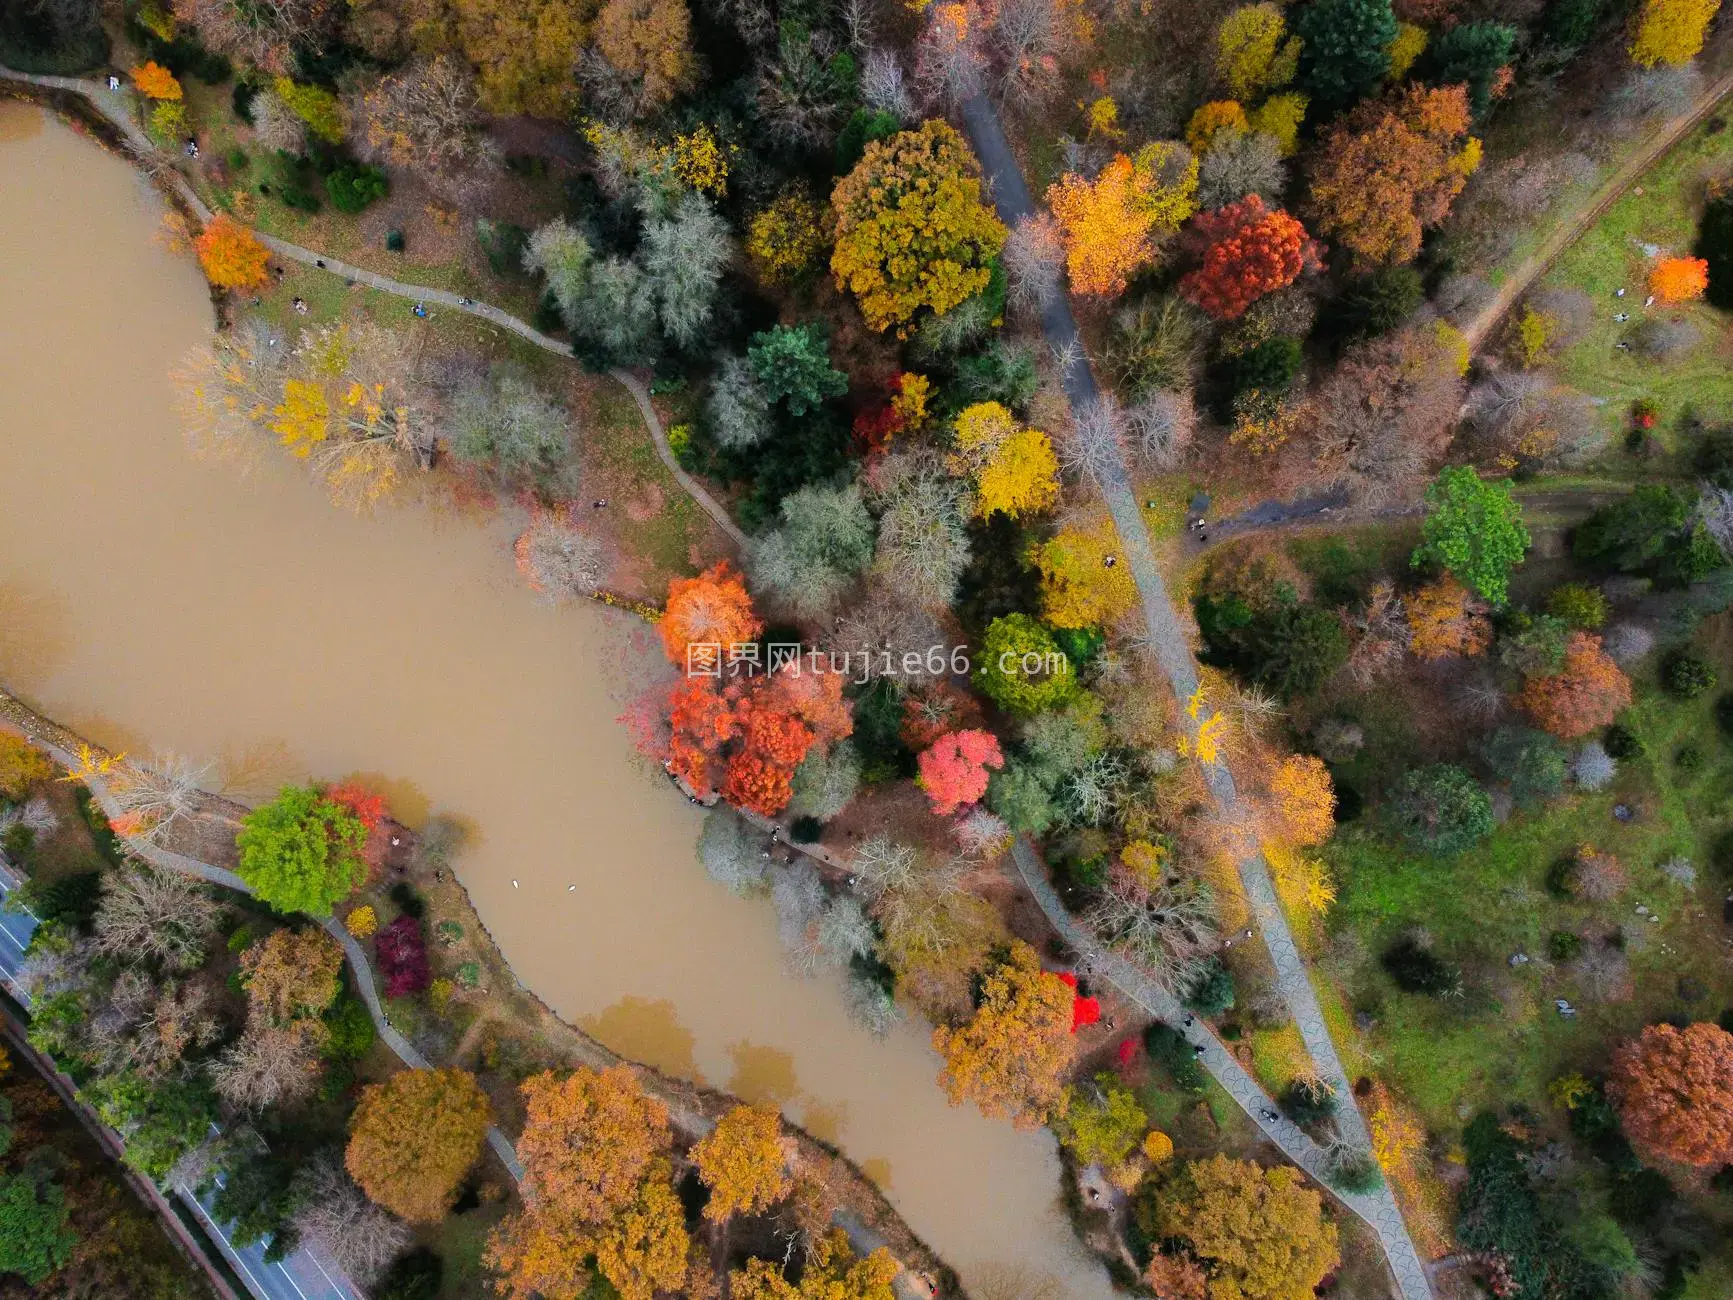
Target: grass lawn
(1504, 1041)
(1660, 213)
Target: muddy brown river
(156, 600)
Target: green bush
(1354, 1172)
(394, 244)
(1308, 1101)
(417, 1275)
(1269, 367)
(1417, 969)
(1578, 604)
(1168, 1048)
(71, 899)
(1441, 809)
(1632, 533)
(1623, 743)
(1686, 675)
(353, 187)
(1382, 301)
(1021, 667)
(289, 182)
(1724, 714)
(1213, 992)
(503, 244)
(1531, 762)
(1276, 641)
(350, 1029)
(1564, 945)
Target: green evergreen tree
(1346, 51)
(1474, 530)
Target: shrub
(402, 955)
(349, 1029)
(1417, 969)
(353, 187)
(1724, 714)
(1441, 809)
(1715, 247)
(1593, 768)
(1278, 642)
(417, 1275)
(1213, 991)
(1168, 1048)
(1687, 675)
(1564, 945)
(1578, 604)
(1531, 762)
(1622, 742)
(1380, 302)
(1354, 1172)
(407, 900)
(1308, 1101)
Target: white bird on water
(514, 884)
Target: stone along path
(1172, 650)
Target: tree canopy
(414, 1137)
(1263, 1231)
(302, 852)
(1010, 1056)
(1473, 530)
(1674, 1092)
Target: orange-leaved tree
(953, 771)
(711, 609)
(832, 1272)
(1679, 279)
(1444, 618)
(1112, 227)
(743, 1163)
(1583, 696)
(291, 974)
(1010, 1057)
(1248, 252)
(231, 257)
(414, 1137)
(154, 81)
(1674, 1092)
(1305, 799)
(1390, 169)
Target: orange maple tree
(414, 1137)
(1444, 618)
(231, 257)
(1674, 1092)
(1583, 696)
(712, 609)
(156, 82)
(1679, 279)
(1248, 252)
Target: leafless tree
(796, 93)
(1030, 41)
(870, 1007)
(1242, 164)
(797, 893)
(884, 865)
(892, 631)
(923, 540)
(734, 853)
(1095, 445)
(261, 32)
(1169, 929)
(149, 1027)
(950, 61)
(275, 125)
(980, 834)
(1161, 427)
(1093, 792)
(1625, 643)
(857, 20)
(360, 1236)
(1460, 296)
(560, 559)
(427, 116)
(1384, 416)
(1665, 340)
(36, 814)
(158, 793)
(1604, 972)
(163, 915)
(269, 1065)
(1715, 509)
(883, 86)
(1380, 628)
(1034, 261)
(1650, 93)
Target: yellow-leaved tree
(1016, 470)
(1010, 1057)
(743, 1163)
(912, 232)
(833, 1272)
(1305, 799)
(1670, 31)
(1262, 1230)
(1113, 227)
(1084, 583)
(414, 1137)
(1254, 52)
(291, 974)
(523, 51)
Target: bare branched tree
(266, 33)
(1161, 427)
(157, 793)
(735, 854)
(1715, 509)
(980, 834)
(1168, 929)
(147, 913)
(1034, 262)
(269, 1065)
(1030, 40)
(1381, 635)
(883, 865)
(950, 61)
(360, 1236)
(149, 1027)
(891, 633)
(427, 116)
(36, 814)
(560, 559)
(923, 539)
(1095, 447)
(883, 86)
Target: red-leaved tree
(1674, 1092)
(954, 770)
(1583, 696)
(402, 956)
(1247, 251)
(711, 609)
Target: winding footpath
(1172, 650)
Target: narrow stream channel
(154, 600)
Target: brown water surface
(155, 600)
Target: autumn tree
(1112, 227)
(1674, 1092)
(1679, 279)
(1011, 1055)
(145, 913)
(1305, 799)
(269, 1066)
(1584, 696)
(302, 852)
(1083, 584)
(154, 81)
(650, 43)
(1254, 52)
(291, 974)
(1248, 252)
(832, 1272)
(413, 1138)
(711, 609)
(22, 765)
(912, 232)
(950, 57)
(1263, 1231)
(1390, 169)
(1473, 530)
(1670, 31)
(1021, 667)
(1016, 470)
(426, 115)
(743, 1163)
(953, 771)
(230, 255)
(523, 51)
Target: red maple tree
(954, 769)
(1247, 251)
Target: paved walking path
(114, 106)
(1173, 652)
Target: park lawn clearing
(1662, 210)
